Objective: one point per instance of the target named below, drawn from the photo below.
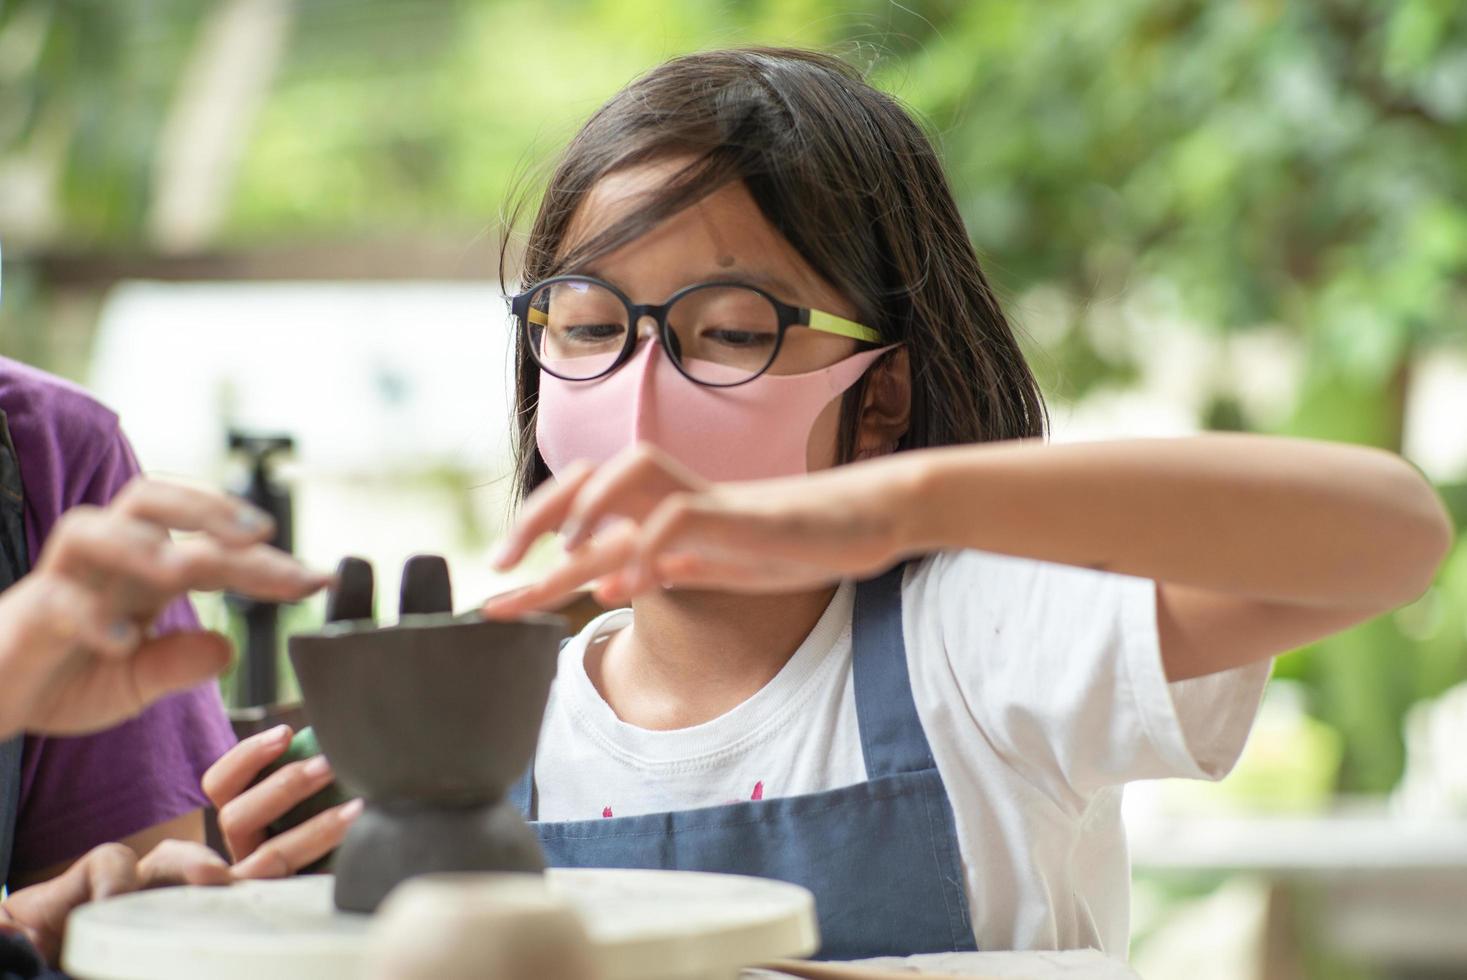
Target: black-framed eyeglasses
(721, 334)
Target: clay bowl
(438, 710)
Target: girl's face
(722, 237)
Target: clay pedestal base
(391, 842)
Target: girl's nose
(647, 332)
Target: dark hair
(851, 181)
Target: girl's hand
(660, 526)
(40, 911)
(75, 649)
(245, 811)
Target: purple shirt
(76, 793)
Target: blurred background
(285, 217)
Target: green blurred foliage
(1298, 165)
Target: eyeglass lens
(720, 334)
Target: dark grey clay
(429, 721)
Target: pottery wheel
(697, 924)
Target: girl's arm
(1258, 544)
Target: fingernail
(500, 554)
(571, 532)
(309, 576)
(350, 811)
(279, 733)
(251, 520)
(317, 766)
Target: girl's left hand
(661, 526)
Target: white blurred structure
(398, 397)
(367, 377)
(1434, 785)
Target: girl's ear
(886, 406)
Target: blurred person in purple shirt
(95, 631)
(137, 783)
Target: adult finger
(244, 820)
(107, 870)
(232, 774)
(52, 614)
(175, 662)
(90, 544)
(180, 862)
(542, 512)
(259, 571)
(140, 569)
(300, 846)
(40, 910)
(183, 508)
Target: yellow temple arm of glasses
(819, 320)
(830, 323)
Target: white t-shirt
(1040, 688)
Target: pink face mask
(748, 432)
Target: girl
(881, 640)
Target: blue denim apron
(881, 856)
(14, 563)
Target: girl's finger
(182, 508)
(238, 767)
(300, 846)
(244, 820)
(632, 485)
(683, 570)
(691, 523)
(590, 562)
(697, 571)
(544, 510)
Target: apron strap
(892, 739)
(521, 793)
(14, 563)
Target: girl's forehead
(722, 236)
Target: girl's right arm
(247, 809)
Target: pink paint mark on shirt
(606, 811)
(758, 791)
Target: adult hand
(75, 649)
(659, 526)
(40, 911)
(246, 810)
